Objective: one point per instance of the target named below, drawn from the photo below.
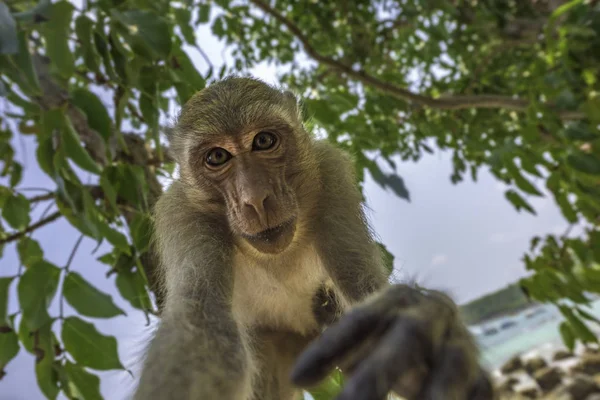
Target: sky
(466, 239)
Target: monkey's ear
(169, 132)
(295, 104)
(169, 128)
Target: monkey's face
(242, 143)
(254, 174)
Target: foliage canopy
(507, 85)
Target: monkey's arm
(198, 351)
(399, 338)
(345, 241)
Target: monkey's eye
(264, 141)
(217, 157)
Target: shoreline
(549, 371)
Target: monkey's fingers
(402, 355)
(454, 374)
(333, 346)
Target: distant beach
(531, 332)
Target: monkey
(271, 272)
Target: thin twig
(30, 228)
(457, 102)
(34, 189)
(203, 54)
(41, 197)
(72, 255)
(66, 271)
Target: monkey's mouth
(274, 239)
(271, 234)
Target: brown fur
(238, 311)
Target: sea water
(535, 329)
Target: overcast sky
(466, 239)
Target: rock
(589, 364)
(580, 388)
(528, 392)
(548, 378)
(508, 385)
(595, 396)
(512, 365)
(534, 364)
(562, 355)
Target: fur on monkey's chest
(287, 293)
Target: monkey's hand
(404, 340)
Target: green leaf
(29, 251)
(75, 150)
(520, 180)
(56, 31)
(4, 291)
(25, 336)
(16, 174)
(148, 33)
(141, 231)
(88, 346)
(580, 131)
(579, 328)
(583, 162)
(587, 315)
(388, 258)
(97, 116)
(115, 237)
(131, 286)
(566, 207)
(129, 183)
(16, 211)
(183, 17)
(203, 13)
(109, 191)
(183, 70)
(36, 289)
(87, 300)
(46, 375)
(86, 384)
(9, 43)
(329, 388)
(27, 78)
(567, 335)
(38, 13)
(84, 28)
(9, 347)
(518, 201)
(102, 47)
(119, 56)
(45, 154)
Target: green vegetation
(508, 300)
(508, 86)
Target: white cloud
(439, 259)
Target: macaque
(271, 274)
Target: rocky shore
(560, 376)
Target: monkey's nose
(258, 205)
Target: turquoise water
(539, 331)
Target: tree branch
(457, 102)
(137, 153)
(30, 228)
(54, 96)
(41, 197)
